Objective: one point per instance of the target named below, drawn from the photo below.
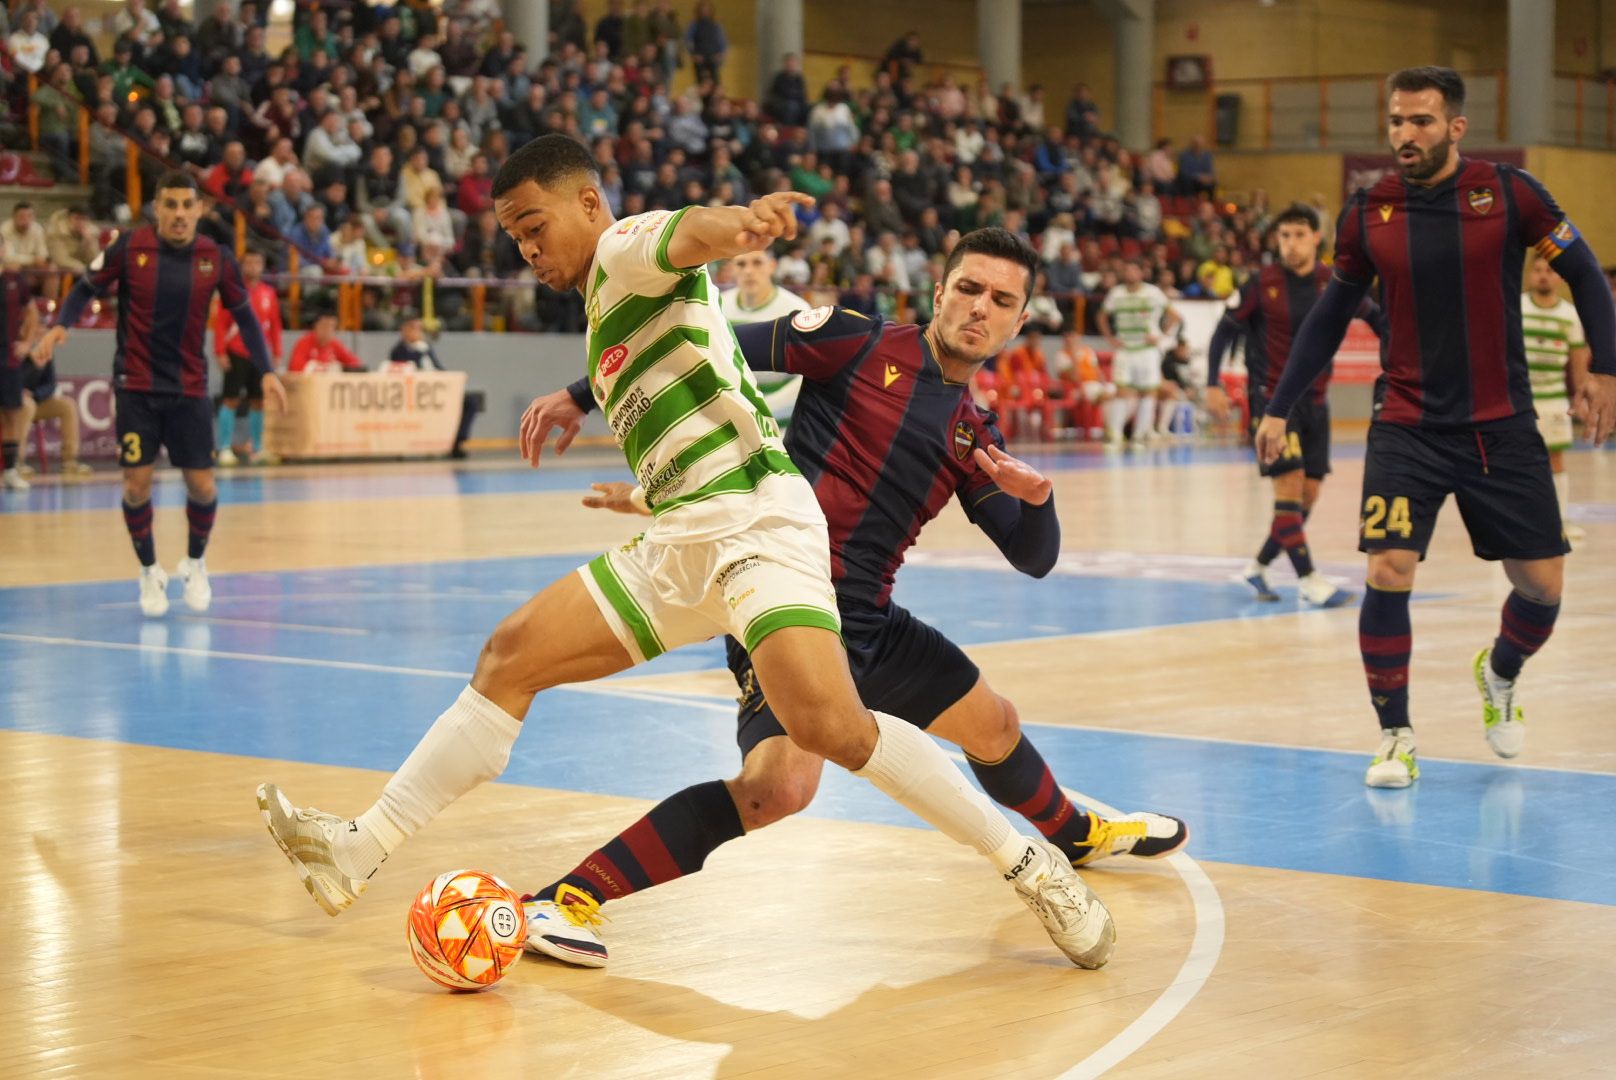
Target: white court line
(348, 631)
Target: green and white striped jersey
(666, 371)
(1136, 315)
(1550, 333)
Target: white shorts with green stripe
(657, 597)
(1554, 422)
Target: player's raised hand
(617, 496)
(1595, 406)
(545, 415)
(274, 392)
(771, 218)
(1270, 439)
(46, 346)
(1014, 476)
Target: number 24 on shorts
(1379, 518)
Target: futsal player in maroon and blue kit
(1447, 238)
(886, 432)
(166, 276)
(1268, 310)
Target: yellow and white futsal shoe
(1394, 764)
(1142, 835)
(1076, 920)
(308, 837)
(566, 927)
(1501, 719)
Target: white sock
(1146, 418)
(468, 745)
(912, 770)
(1164, 419)
(1562, 488)
(1115, 412)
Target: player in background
(1135, 317)
(243, 395)
(166, 276)
(738, 545)
(320, 352)
(19, 322)
(1269, 309)
(1448, 236)
(888, 434)
(1557, 354)
(756, 298)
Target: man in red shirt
(320, 351)
(243, 394)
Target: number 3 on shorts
(131, 447)
(1396, 518)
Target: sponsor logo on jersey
(1481, 200)
(629, 413)
(964, 440)
(611, 360)
(812, 319)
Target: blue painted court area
(348, 667)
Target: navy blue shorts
(183, 425)
(1307, 439)
(900, 666)
(10, 386)
(242, 379)
(1500, 479)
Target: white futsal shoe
(1501, 719)
(1394, 764)
(1077, 921)
(566, 928)
(12, 480)
(1321, 593)
(153, 591)
(198, 591)
(308, 837)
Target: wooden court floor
(1464, 928)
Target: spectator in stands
(787, 99)
(861, 297)
(886, 264)
(414, 352)
(220, 36)
(1196, 174)
(24, 240)
(379, 199)
(417, 178)
(107, 156)
(319, 352)
(352, 253)
(29, 47)
(1143, 213)
(1042, 310)
(1082, 114)
(486, 251)
(832, 129)
(881, 210)
(433, 228)
(69, 35)
(330, 147)
(72, 239)
(705, 42)
(903, 56)
(312, 237)
(57, 104)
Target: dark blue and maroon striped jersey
(15, 294)
(883, 437)
(163, 298)
(1270, 307)
(1449, 259)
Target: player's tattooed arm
(705, 233)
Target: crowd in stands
(369, 144)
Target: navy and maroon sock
(1385, 637)
(200, 518)
(138, 520)
(1271, 547)
(1021, 780)
(1523, 628)
(673, 840)
(1287, 532)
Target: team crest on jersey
(1273, 292)
(1386, 212)
(964, 440)
(811, 320)
(1481, 200)
(140, 260)
(204, 267)
(611, 360)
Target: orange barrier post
(131, 177)
(84, 146)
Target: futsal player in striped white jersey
(756, 298)
(1557, 357)
(737, 544)
(1135, 318)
